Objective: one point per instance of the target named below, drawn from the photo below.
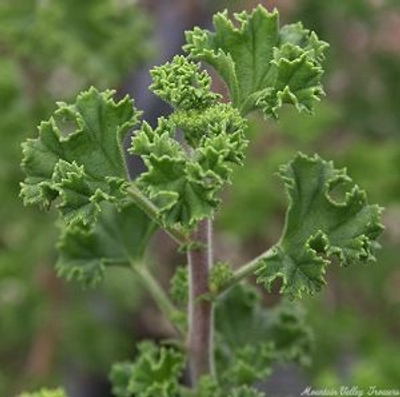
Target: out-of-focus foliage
(45, 393)
(251, 339)
(88, 40)
(49, 50)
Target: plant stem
(201, 313)
(153, 212)
(244, 271)
(158, 294)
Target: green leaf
(220, 123)
(119, 237)
(180, 285)
(180, 188)
(221, 273)
(78, 156)
(262, 65)
(185, 185)
(182, 84)
(207, 386)
(318, 227)
(45, 393)
(250, 339)
(155, 373)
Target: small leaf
(180, 285)
(117, 238)
(318, 227)
(83, 166)
(155, 373)
(182, 84)
(221, 274)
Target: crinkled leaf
(250, 338)
(185, 185)
(220, 123)
(155, 373)
(182, 84)
(45, 393)
(181, 189)
(319, 227)
(118, 237)
(78, 156)
(262, 65)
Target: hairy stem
(201, 316)
(153, 212)
(244, 271)
(158, 294)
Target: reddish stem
(201, 316)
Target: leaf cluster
(77, 162)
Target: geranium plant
(225, 339)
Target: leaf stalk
(147, 206)
(159, 296)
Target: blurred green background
(52, 333)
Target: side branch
(244, 271)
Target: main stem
(201, 316)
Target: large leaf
(262, 65)
(78, 156)
(319, 227)
(119, 237)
